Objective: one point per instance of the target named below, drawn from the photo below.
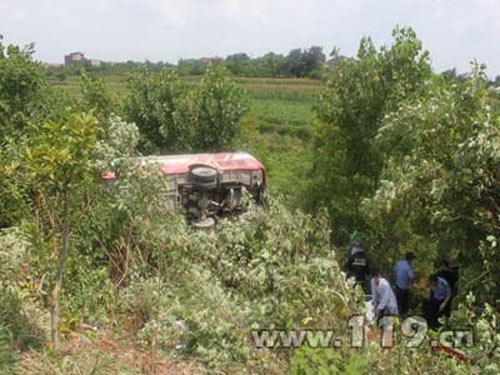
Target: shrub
(175, 116)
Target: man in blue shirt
(450, 273)
(403, 275)
(440, 295)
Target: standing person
(450, 274)
(384, 300)
(357, 264)
(403, 275)
(440, 295)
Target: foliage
(311, 361)
(18, 316)
(19, 327)
(213, 110)
(282, 260)
(89, 297)
(485, 352)
(203, 291)
(298, 63)
(152, 104)
(173, 116)
(96, 96)
(120, 141)
(409, 157)
(21, 86)
(12, 253)
(480, 358)
(359, 93)
(56, 166)
(60, 154)
(8, 356)
(303, 63)
(439, 188)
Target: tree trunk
(63, 255)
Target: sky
(454, 31)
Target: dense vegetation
(100, 279)
(299, 63)
(409, 158)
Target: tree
(450, 74)
(296, 66)
(272, 65)
(314, 58)
(25, 98)
(174, 116)
(238, 63)
(301, 63)
(440, 186)
(56, 167)
(190, 67)
(96, 96)
(497, 81)
(213, 109)
(357, 96)
(22, 82)
(152, 104)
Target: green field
(277, 126)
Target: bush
(175, 116)
(281, 263)
(96, 97)
(22, 82)
(12, 254)
(214, 108)
(207, 291)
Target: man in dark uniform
(357, 265)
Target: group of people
(391, 302)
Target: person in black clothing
(357, 265)
(439, 299)
(450, 274)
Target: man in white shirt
(384, 300)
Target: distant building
(78, 58)
(92, 62)
(75, 58)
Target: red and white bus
(209, 186)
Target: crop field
(277, 126)
(278, 129)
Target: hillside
(112, 277)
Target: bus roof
(177, 164)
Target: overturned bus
(209, 186)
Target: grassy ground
(277, 128)
(279, 133)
